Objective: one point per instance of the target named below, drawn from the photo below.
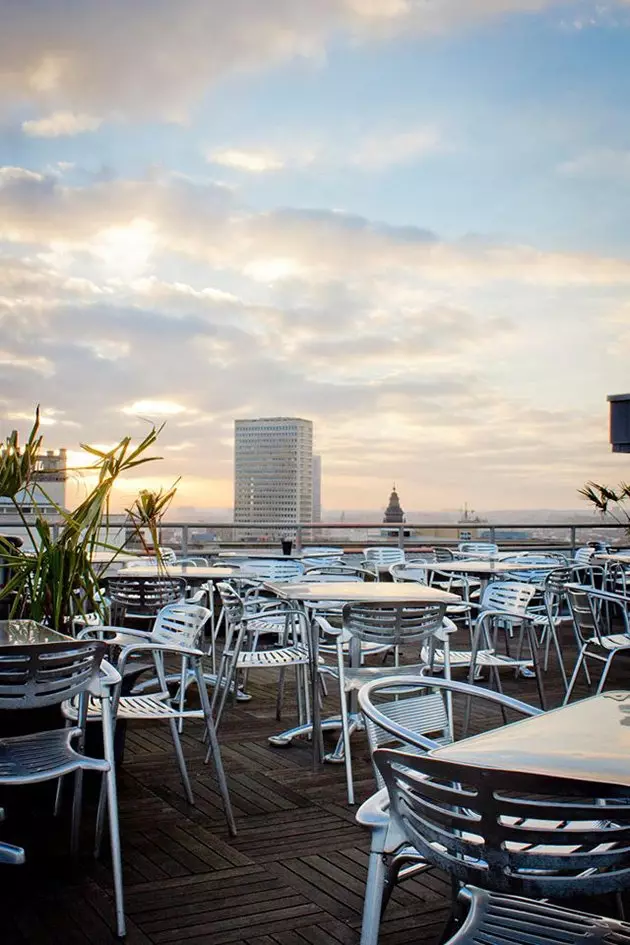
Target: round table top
(277, 555)
(484, 568)
(102, 556)
(363, 592)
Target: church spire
(393, 512)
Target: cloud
(122, 225)
(254, 161)
(377, 151)
(387, 150)
(414, 355)
(601, 164)
(60, 124)
(153, 58)
(154, 408)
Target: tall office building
(317, 488)
(273, 470)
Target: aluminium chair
(383, 557)
(503, 605)
(384, 625)
(414, 718)
(143, 597)
(10, 854)
(477, 549)
(177, 637)
(514, 839)
(294, 649)
(41, 675)
(593, 641)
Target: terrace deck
(294, 875)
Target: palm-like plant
(610, 502)
(56, 579)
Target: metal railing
(200, 537)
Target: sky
(407, 220)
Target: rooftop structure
(619, 422)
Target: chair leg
(112, 810)
(183, 685)
(580, 660)
(372, 905)
(605, 672)
(77, 801)
(181, 762)
(345, 727)
(214, 749)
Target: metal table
(28, 633)
(345, 592)
(484, 569)
(188, 571)
(588, 740)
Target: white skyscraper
(273, 470)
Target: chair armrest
(118, 635)
(149, 646)
(108, 678)
(375, 811)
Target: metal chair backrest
(323, 556)
(335, 572)
(180, 624)
(507, 831)
(384, 556)
(393, 624)
(583, 555)
(478, 549)
(272, 569)
(507, 595)
(540, 567)
(425, 715)
(583, 614)
(232, 602)
(411, 570)
(145, 596)
(442, 553)
(42, 674)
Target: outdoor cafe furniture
(142, 597)
(293, 649)
(504, 604)
(301, 595)
(41, 668)
(595, 641)
(538, 808)
(412, 716)
(484, 570)
(388, 625)
(178, 638)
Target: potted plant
(611, 502)
(56, 579)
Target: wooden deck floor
(294, 875)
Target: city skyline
(406, 221)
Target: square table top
(28, 632)
(620, 558)
(362, 592)
(587, 740)
(189, 571)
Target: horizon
(406, 222)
